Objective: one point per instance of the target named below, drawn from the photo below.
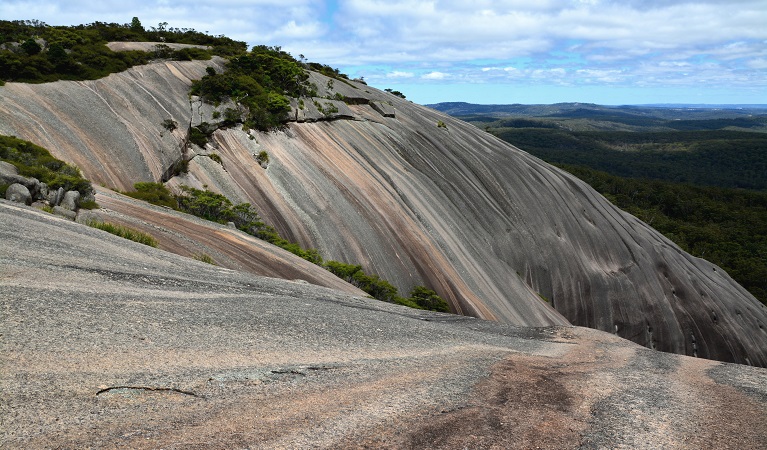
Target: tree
(31, 47)
(136, 26)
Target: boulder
(63, 212)
(18, 193)
(9, 174)
(7, 168)
(33, 184)
(42, 193)
(55, 197)
(70, 200)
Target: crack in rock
(149, 389)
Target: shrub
(204, 258)
(88, 204)
(372, 284)
(179, 167)
(35, 161)
(169, 124)
(428, 299)
(216, 158)
(124, 232)
(206, 204)
(199, 137)
(155, 193)
(262, 157)
(232, 116)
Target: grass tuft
(124, 232)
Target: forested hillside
(35, 52)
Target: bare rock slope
(107, 343)
(416, 197)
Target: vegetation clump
(34, 161)
(169, 124)
(263, 158)
(397, 93)
(261, 81)
(124, 232)
(216, 158)
(218, 208)
(155, 193)
(421, 297)
(204, 257)
(33, 52)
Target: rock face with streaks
(374, 180)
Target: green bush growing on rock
(428, 299)
(34, 161)
(124, 232)
(155, 193)
(262, 157)
(421, 297)
(260, 81)
(216, 158)
(204, 258)
(200, 134)
(169, 124)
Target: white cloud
(648, 42)
(399, 74)
(760, 63)
(435, 76)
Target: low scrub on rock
(217, 208)
(124, 232)
(36, 162)
(259, 80)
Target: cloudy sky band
(635, 47)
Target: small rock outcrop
(55, 197)
(26, 190)
(71, 200)
(18, 193)
(384, 109)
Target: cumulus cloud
(399, 74)
(434, 76)
(627, 42)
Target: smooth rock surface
(492, 229)
(108, 343)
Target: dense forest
(722, 158)
(697, 175)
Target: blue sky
(487, 51)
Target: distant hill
(591, 110)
